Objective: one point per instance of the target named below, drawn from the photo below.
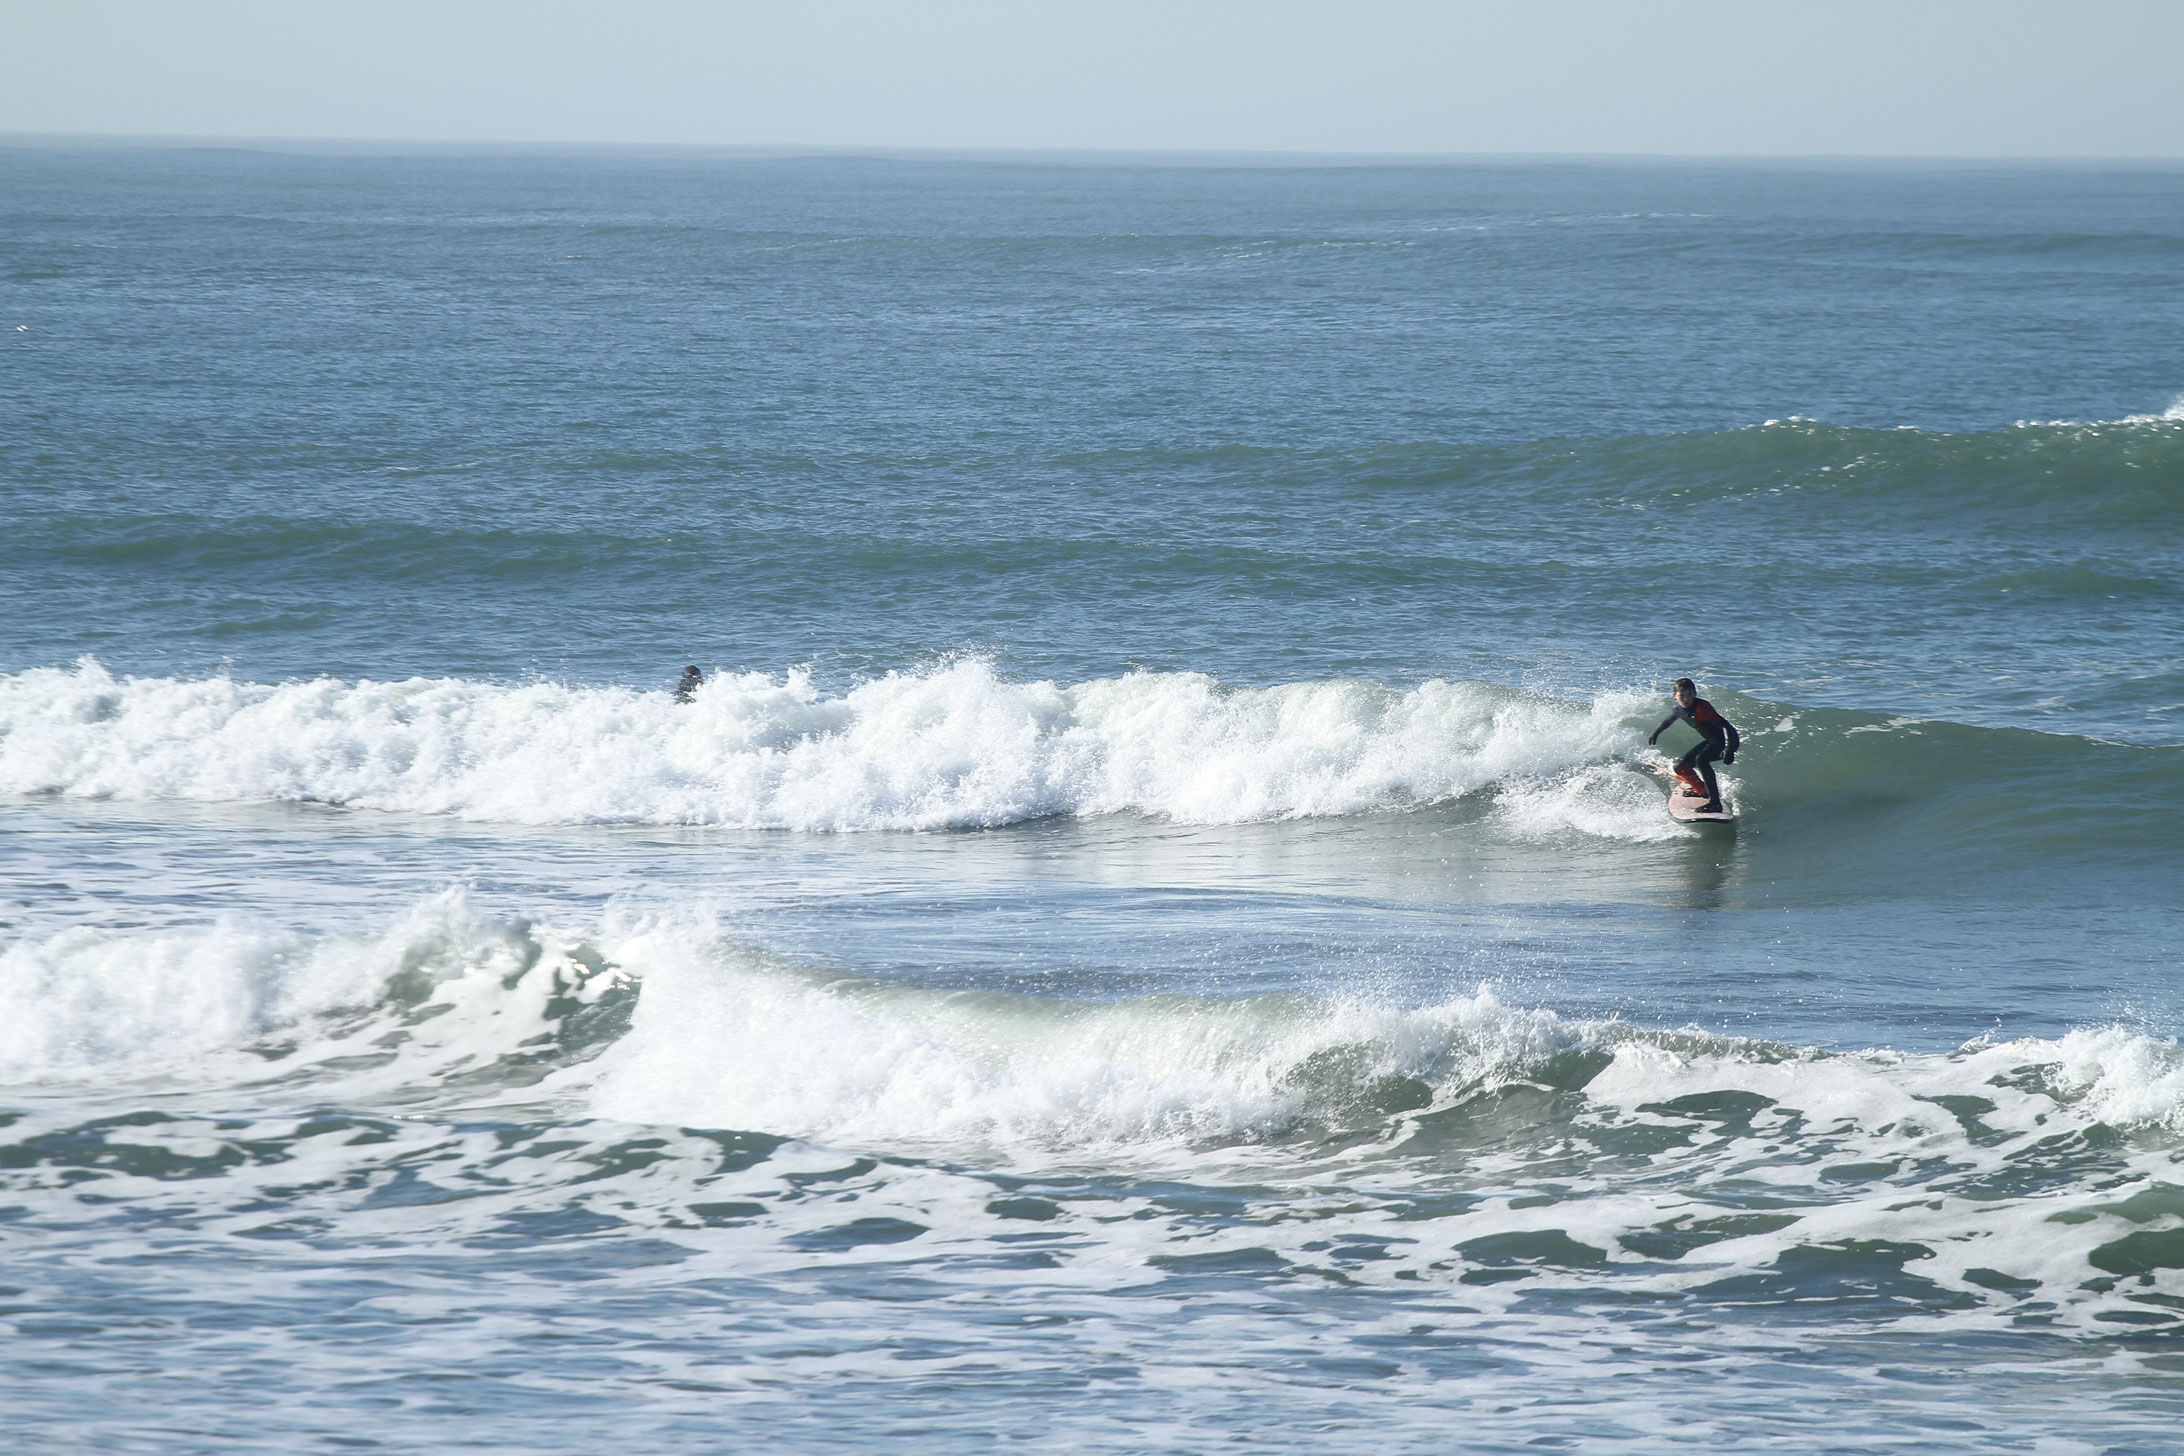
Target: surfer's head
(1687, 692)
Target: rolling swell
(2086, 478)
(1985, 577)
(2090, 477)
(1865, 784)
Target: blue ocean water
(1160, 929)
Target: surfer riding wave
(1718, 740)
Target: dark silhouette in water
(691, 678)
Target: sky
(1962, 78)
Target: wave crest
(446, 993)
(952, 747)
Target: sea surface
(1160, 930)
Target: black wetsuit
(1717, 740)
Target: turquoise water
(1161, 926)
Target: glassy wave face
(1159, 929)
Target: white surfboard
(1684, 809)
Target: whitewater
(663, 1021)
(950, 748)
(1159, 929)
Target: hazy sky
(1873, 77)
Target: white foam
(723, 1038)
(726, 1037)
(2099, 1074)
(2173, 415)
(87, 1000)
(444, 988)
(2118, 1076)
(951, 747)
(1605, 801)
(1971, 1162)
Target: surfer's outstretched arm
(1666, 724)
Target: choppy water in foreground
(1160, 930)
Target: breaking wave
(956, 746)
(445, 992)
(674, 1021)
(480, 1076)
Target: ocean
(1160, 930)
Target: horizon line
(934, 151)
